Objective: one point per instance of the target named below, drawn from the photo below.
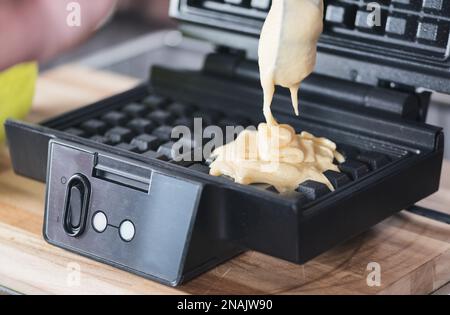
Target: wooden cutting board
(413, 252)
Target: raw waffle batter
(275, 154)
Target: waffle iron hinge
(387, 97)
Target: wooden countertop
(413, 252)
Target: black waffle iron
(116, 194)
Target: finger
(63, 35)
(39, 29)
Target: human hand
(38, 29)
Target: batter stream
(274, 154)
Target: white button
(234, 1)
(100, 222)
(261, 4)
(127, 230)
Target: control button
(235, 2)
(76, 205)
(127, 231)
(100, 222)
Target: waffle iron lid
(395, 42)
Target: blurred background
(141, 34)
(138, 35)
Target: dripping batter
(275, 154)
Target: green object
(17, 86)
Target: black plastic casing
(176, 239)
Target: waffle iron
(116, 193)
